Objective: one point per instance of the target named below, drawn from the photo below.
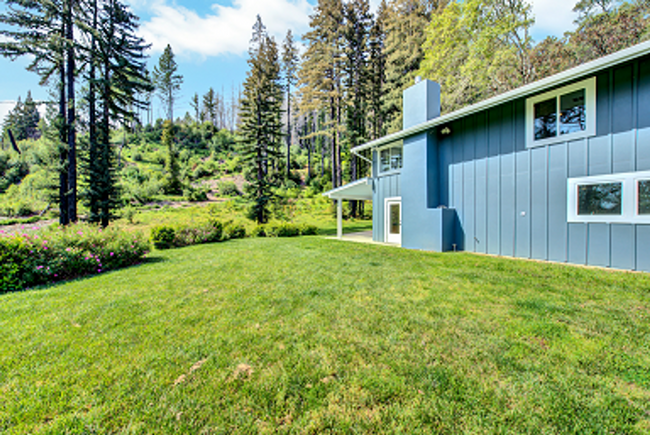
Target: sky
(210, 40)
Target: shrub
(228, 188)
(259, 231)
(284, 229)
(59, 253)
(234, 231)
(163, 237)
(308, 230)
(194, 234)
(193, 194)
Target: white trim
(387, 202)
(589, 86)
(583, 70)
(343, 192)
(630, 205)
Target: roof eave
(574, 73)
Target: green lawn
(312, 335)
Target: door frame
(388, 238)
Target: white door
(394, 220)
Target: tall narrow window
(644, 197)
(573, 117)
(545, 119)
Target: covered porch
(360, 190)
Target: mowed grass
(311, 335)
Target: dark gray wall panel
(623, 151)
(538, 204)
(508, 208)
(622, 109)
(578, 157)
(643, 86)
(623, 247)
(457, 203)
(557, 203)
(480, 223)
(598, 245)
(643, 248)
(603, 113)
(481, 136)
(643, 150)
(446, 157)
(600, 155)
(519, 124)
(577, 251)
(494, 131)
(507, 130)
(522, 222)
(469, 206)
(493, 205)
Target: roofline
(360, 181)
(531, 88)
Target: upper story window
(615, 198)
(562, 114)
(390, 159)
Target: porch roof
(360, 189)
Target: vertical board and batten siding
(387, 186)
(512, 200)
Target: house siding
(386, 186)
(512, 201)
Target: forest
(97, 154)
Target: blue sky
(210, 39)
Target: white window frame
(589, 85)
(630, 198)
(381, 173)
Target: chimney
(421, 103)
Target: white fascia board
(531, 88)
(360, 189)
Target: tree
(117, 53)
(23, 119)
(321, 75)
(358, 22)
(478, 48)
(173, 184)
(196, 105)
(210, 106)
(377, 72)
(167, 81)
(290, 61)
(261, 120)
(405, 24)
(44, 30)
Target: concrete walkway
(361, 237)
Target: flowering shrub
(285, 229)
(60, 253)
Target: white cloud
(226, 31)
(552, 17)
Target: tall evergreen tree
(377, 72)
(358, 23)
(290, 61)
(321, 75)
(210, 106)
(167, 81)
(261, 119)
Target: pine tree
(196, 106)
(173, 184)
(358, 22)
(44, 30)
(167, 81)
(290, 61)
(377, 73)
(321, 75)
(210, 107)
(261, 115)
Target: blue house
(556, 170)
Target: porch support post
(339, 218)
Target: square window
(600, 199)
(573, 116)
(644, 197)
(546, 119)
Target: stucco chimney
(421, 102)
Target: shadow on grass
(348, 227)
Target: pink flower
(99, 271)
(112, 254)
(80, 233)
(68, 249)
